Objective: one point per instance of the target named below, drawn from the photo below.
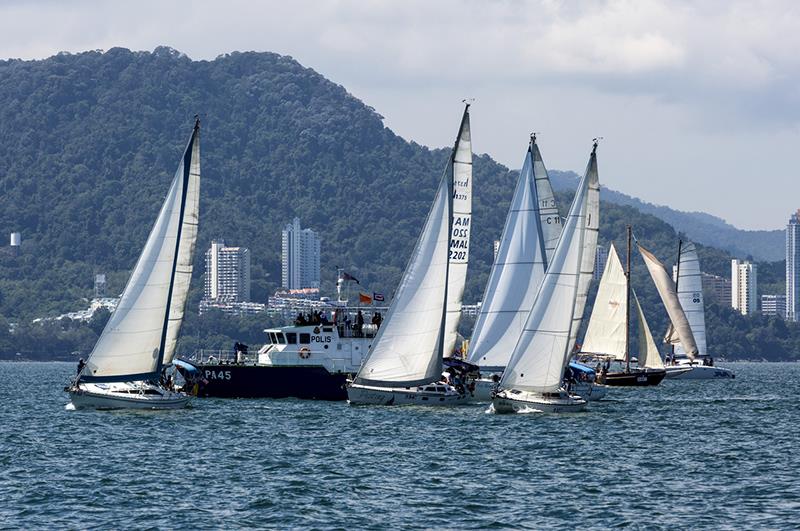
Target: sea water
(685, 454)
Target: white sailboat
(140, 337)
(530, 235)
(689, 284)
(607, 336)
(404, 364)
(533, 378)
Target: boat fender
(305, 353)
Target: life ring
(304, 353)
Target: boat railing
(224, 357)
(367, 330)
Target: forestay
(461, 161)
(690, 294)
(408, 348)
(669, 296)
(529, 237)
(607, 331)
(132, 342)
(539, 356)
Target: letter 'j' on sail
(531, 232)
(142, 332)
(461, 168)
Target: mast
(677, 278)
(628, 306)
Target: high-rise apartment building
(300, 251)
(773, 305)
(793, 268)
(600, 259)
(718, 288)
(744, 287)
(227, 273)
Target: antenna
(596, 140)
(468, 101)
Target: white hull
(697, 372)
(589, 391)
(358, 395)
(523, 402)
(484, 388)
(125, 395)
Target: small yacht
(518, 401)
(127, 364)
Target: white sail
(519, 268)
(462, 224)
(538, 360)
(130, 346)
(589, 248)
(550, 222)
(183, 266)
(606, 333)
(690, 294)
(409, 345)
(649, 357)
(669, 296)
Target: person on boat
(300, 320)
(359, 323)
(378, 319)
(81, 365)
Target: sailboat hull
(634, 378)
(524, 402)
(125, 395)
(698, 372)
(589, 391)
(428, 395)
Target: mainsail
(537, 362)
(529, 238)
(461, 162)
(669, 296)
(589, 248)
(408, 349)
(689, 284)
(606, 333)
(142, 331)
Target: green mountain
(88, 143)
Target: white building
(793, 268)
(744, 287)
(300, 251)
(773, 305)
(227, 273)
(496, 248)
(600, 259)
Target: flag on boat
(344, 275)
(363, 298)
(378, 297)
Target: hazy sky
(698, 102)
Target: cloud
(692, 79)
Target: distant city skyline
(692, 98)
(300, 257)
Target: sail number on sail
(459, 239)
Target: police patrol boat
(310, 361)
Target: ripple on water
(705, 455)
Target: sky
(698, 103)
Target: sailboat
(607, 336)
(533, 378)
(689, 285)
(404, 364)
(139, 340)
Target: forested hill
(89, 143)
